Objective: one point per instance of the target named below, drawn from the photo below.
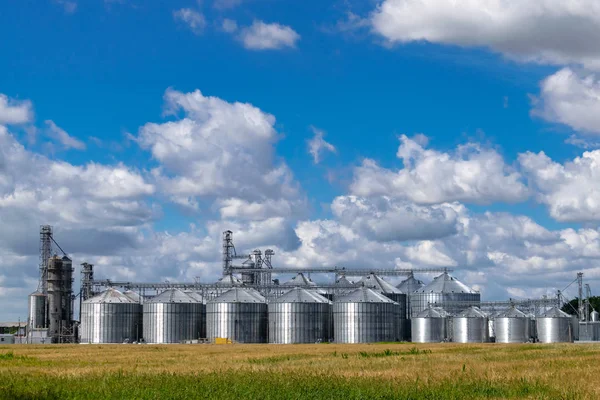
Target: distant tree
(571, 306)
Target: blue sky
(363, 73)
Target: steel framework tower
(45, 254)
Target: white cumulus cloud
(318, 145)
(13, 112)
(63, 137)
(194, 20)
(268, 36)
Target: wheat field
(405, 371)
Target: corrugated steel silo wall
(110, 322)
(554, 330)
(240, 322)
(365, 322)
(299, 322)
(172, 322)
(37, 311)
(512, 330)
(429, 330)
(450, 302)
(470, 330)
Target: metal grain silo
(110, 317)
(430, 326)
(365, 316)
(594, 316)
(239, 314)
(512, 326)
(343, 286)
(410, 284)
(380, 285)
(37, 311)
(133, 295)
(299, 316)
(446, 292)
(532, 326)
(172, 317)
(554, 326)
(470, 326)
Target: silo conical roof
(194, 295)
(239, 295)
(432, 313)
(410, 284)
(172, 296)
(554, 312)
(364, 295)
(375, 282)
(472, 312)
(299, 280)
(510, 313)
(300, 295)
(446, 284)
(229, 280)
(110, 296)
(132, 295)
(343, 281)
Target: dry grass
(554, 371)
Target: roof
(472, 312)
(364, 295)
(37, 293)
(172, 296)
(432, 313)
(229, 280)
(299, 280)
(132, 295)
(446, 284)
(110, 295)
(410, 284)
(300, 295)
(375, 282)
(239, 295)
(194, 295)
(343, 281)
(554, 312)
(511, 313)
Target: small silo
(239, 314)
(365, 316)
(380, 285)
(37, 311)
(554, 326)
(110, 317)
(430, 326)
(172, 317)
(470, 326)
(446, 292)
(512, 326)
(299, 316)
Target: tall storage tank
(554, 326)
(172, 317)
(37, 311)
(239, 314)
(446, 292)
(110, 317)
(365, 316)
(299, 316)
(430, 326)
(512, 326)
(380, 285)
(470, 326)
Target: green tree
(571, 306)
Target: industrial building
(248, 304)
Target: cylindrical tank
(365, 316)
(37, 310)
(172, 317)
(430, 326)
(470, 326)
(512, 326)
(110, 317)
(594, 316)
(380, 285)
(239, 314)
(299, 316)
(554, 326)
(408, 286)
(575, 326)
(446, 292)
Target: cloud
(570, 190)
(69, 6)
(470, 174)
(194, 20)
(219, 151)
(263, 36)
(544, 31)
(63, 137)
(571, 99)
(229, 25)
(385, 219)
(582, 142)
(13, 112)
(317, 145)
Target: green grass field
(379, 371)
